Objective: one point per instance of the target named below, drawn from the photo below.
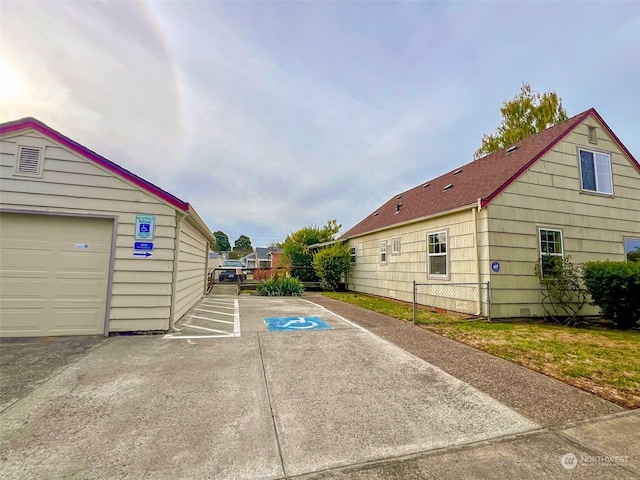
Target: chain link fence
(469, 298)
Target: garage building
(87, 247)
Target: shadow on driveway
(27, 363)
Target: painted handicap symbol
(295, 323)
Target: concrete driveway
(265, 404)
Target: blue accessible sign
(284, 324)
(143, 245)
(495, 266)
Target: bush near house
(331, 264)
(279, 286)
(615, 288)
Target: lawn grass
(601, 361)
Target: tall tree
(527, 114)
(222, 240)
(243, 244)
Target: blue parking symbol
(145, 227)
(283, 324)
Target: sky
(270, 116)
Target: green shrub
(563, 294)
(279, 286)
(615, 288)
(331, 264)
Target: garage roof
(30, 123)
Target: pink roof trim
(32, 123)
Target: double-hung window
(383, 252)
(551, 249)
(437, 254)
(595, 172)
(395, 246)
(352, 253)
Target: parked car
(230, 271)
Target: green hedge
(615, 288)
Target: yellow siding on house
(549, 196)
(192, 268)
(395, 278)
(70, 184)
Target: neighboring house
(573, 189)
(88, 247)
(262, 257)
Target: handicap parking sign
(283, 324)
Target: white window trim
(395, 246)
(353, 251)
(383, 251)
(447, 275)
(594, 152)
(624, 246)
(549, 229)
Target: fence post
(415, 307)
(489, 301)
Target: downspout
(477, 252)
(174, 280)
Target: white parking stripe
(212, 319)
(207, 329)
(213, 311)
(236, 318)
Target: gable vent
(592, 134)
(29, 161)
(448, 187)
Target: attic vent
(28, 161)
(512, 149)
(448, 187)
(592, 134)
(426, 185)
(376, 214)
(398, 207)
(399, 197)
(457, 171)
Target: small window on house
(383, 252)
(592, 134)
(395, 246)
(632, 249)
(551, 249)
(595, 172)
(437, 254)
(29, 161)
(352, 252)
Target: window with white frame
(395, 246)
(595, 172)
(632, 249)
(551, 249)
(352, 252)
(437, 254)
(383, 252)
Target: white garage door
(54, 274)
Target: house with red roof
(570, 190)
(88, 247)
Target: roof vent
(399, 197)
(457, 171)
(448, 187)
(512, 149)
(398, 207)
(376, 214)
(29, 161)
(426, 185)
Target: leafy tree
(297, 252)
(331, 264)
(222, 240)
(243, 244)
(214, 246)
(527, 114)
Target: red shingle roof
(482, 179)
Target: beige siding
(549, 195)
(141, 295)
(395, 278)
(192, 273)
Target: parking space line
(190, 330)
(214, 311)
(236, 318)
(205, 328)
(212, 320)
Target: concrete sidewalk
(341, 403)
